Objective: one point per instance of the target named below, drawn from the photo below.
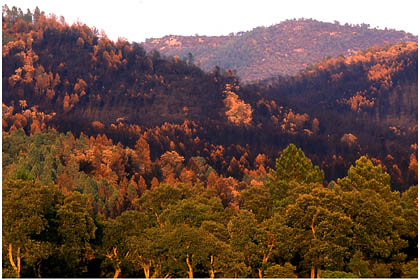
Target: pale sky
(137, 20)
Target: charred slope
(72, 71)
(70, 78)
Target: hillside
(124, 91)
(282, 49)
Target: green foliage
(381, 270)
(280, 271)
(359, 266)
(364, 175)
(193, 212)
(76, 231)
(257, 199)
(293, 165)
(294, 174)
(28, 228)
(323, 232)
(409, 203)
(337, 274)
(410, 269)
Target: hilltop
(281, 49)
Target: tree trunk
(16, 268)
(146, 270)
(117, 272)
(37, 269)
(318, 271)
(111, 256)
(313, 272)
(211, 267)
(260, 273)
(157, 272)
(190, 270)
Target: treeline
(86, 207)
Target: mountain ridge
(281, 49)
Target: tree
(188, 250)
(223, 262)
(259, 242)
(157, 200)
(322, 231)
(76, 231)
(145, 251)
(337, 274)
(171, 164)
(409, 203)
(257, 199)
(377, 215)
(119, 242)
(143, 152)
(294, 174)
(359, 266)
(364, 175)
(293, 165)
(28, 228)
(280, 271)
(410, 269)
(193, 211)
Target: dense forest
(122, 163)
(281, 49)
(85, 207)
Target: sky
(136, 20)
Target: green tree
(280, 271)
(146, 252)
(259, 242)
(118, 235)
(242, 231)
(293, 165)
(28, 229)
(364, 175)
(157, 200)
(294, 174)
(359, 266)
(322, 232)
(257, 199)
(193, 211)
(377, 215)
(188, 250)
(76, 231)
(409, 202)
(337, 274)
(410, 269)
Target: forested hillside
(337, 111)
(281, 49)
(119, 162)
